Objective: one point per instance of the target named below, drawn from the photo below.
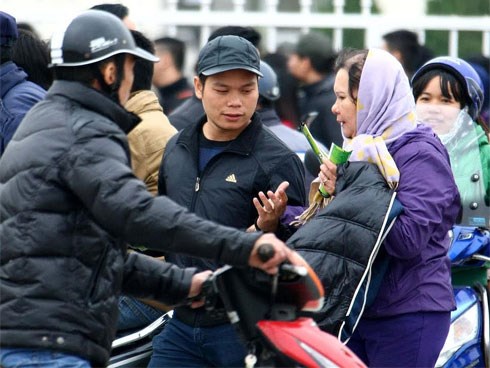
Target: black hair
(321, 63)
(5, 54)
(32, 54)
(449, 83)
(27, 27)
(86, 74)
(412, 53)
(143, 69)
(83, 74)
(249, 33)
(175, 47)
(352, 60)
(202, 79)
(119, 10)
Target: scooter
(468, 341)
(135, 349)
(266, 312)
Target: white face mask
(449, 136)
(445, 121)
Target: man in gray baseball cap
(311, 63)
(227, 53)
(235, 160)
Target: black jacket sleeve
(97, 171)
(148, 277)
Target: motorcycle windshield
(459, 135)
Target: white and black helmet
(92, 36)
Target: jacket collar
(95, 101)
(143, 101)
(243, 144)
(10, 75)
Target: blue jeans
(407, 340)
(181, 345)
(39, 358)
(135, 314)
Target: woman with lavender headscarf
(408, 321)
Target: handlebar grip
(265, 252)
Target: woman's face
(436, 110)
(344, 107)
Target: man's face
(298, 66)
(160, 68)
(127, 82)
(229, 100)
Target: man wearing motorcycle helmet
(69, 203)
(446, 90)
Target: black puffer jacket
(342, 241)
(68, 201)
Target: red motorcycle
(267, 313)
(266, 310)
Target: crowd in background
(304, 72)
(176, 142)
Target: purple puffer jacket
(418, 278)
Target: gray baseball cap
(228, 53)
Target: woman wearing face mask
(407, 322)
(449, 96)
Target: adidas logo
(231, 178)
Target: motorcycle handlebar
(265, 252)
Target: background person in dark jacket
(173, 87)
(217, 168)
(17, 94)
(269, 93)
(311, 63)
(69, 203)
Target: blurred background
(447, 27)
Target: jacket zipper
(96, 274)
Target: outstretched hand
(271, 207)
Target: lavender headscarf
(385, 111)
